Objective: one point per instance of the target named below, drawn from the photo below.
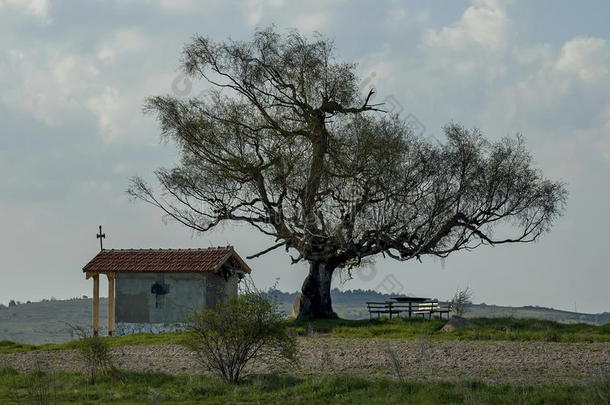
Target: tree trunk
(314, 300)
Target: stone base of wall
(129, 328)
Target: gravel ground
(422, 359)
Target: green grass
(487, 329)
(497, 329)
(344, 328)
(6, 346)
(150, 339)
(533, 330)
(144, 388)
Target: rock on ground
(457, 322)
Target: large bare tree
(284, 142)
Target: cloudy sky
(74, 74)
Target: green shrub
(249, 327)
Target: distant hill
(351, 304)
(48, 321)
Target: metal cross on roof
(101, 236)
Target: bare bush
(395, 363)
(240, 330)
(460, 301)
(95, 353)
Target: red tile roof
(164, 260)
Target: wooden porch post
(96, 304)
(110, 303)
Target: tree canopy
(284, 141)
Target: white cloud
(180, 5)
(397, 16)
(118, 111)
(586, 57)
(599, 135)
(107, 107)
(473, 49)
(532, 54)
(39, 8)
(568, 156)
(377, 71)
(255, 10)
(484, 24)
(54, 84)
(174, 6)
(311, 22)
(123, 41)
(582, 64)
(46, 84)
(313, 15)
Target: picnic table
(410, 301)
(411, 305)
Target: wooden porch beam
(110, 303)
(96, 304)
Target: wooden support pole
(96, 304)
(110, 303)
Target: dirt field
(424, 359)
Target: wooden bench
(379, 308)
(433, 307)
(390, 308)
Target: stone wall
(129, 328)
